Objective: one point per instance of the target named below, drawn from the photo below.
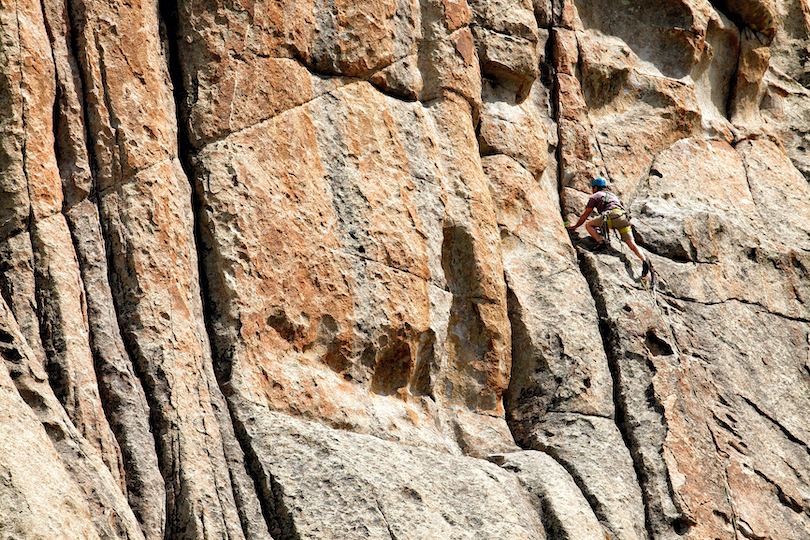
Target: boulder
(326, 483)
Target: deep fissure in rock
(549, 77)
(277, 516)
(279, 523)
(113, 399)
(609, 340)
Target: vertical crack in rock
(634, 466)
(607, 331)
(731, 93)
(57, 290)
(122, 396)
(520, 343)
(638, 405)
(521, 338)
(255, 500)
(554, 87)
(24, 140)
(145, 205)
(596, 501)
(277, 516)
(559, 402)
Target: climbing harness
(617, 212)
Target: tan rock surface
(145, 202)
(38, 496)
(100, 504)
(553, 370)
(565, 510)
(59, 295)
(122, 394)
(290, 270)
(334, 484)
(380, 290)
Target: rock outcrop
(286, 270)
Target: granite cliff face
(298, 269)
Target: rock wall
(287, 270)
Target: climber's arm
(582, 218)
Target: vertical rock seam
(123, 398)
(255, 505)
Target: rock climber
(611, 211)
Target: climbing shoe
(645, 269)
(601, 247)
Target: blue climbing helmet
(599, 182)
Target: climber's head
(598, 183)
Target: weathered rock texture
(286, 270)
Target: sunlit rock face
(285, 270)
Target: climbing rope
(684, 360)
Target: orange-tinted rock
(60, 299)
(145, 202)
(518, 130)
(580, 155)
(457, 14)
(374, 193)
(369, 262)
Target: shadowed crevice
(464, 283)
(731, 10)
(248, 490)
(611, 340)
(127, 408)
(277, 516)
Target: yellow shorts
(618, 221)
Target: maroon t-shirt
(597, 201)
